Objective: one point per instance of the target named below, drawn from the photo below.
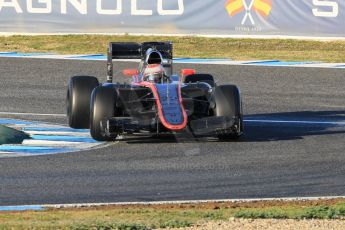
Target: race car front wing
(208, 126)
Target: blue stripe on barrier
(22, 208)
(196, 60)
(56, 129)
(293, 123)
(54, 139)
(32, 150)
(14, 122)
(14, 54)
(6, 53)
(260, 62)
(92, 56)
(63, 138)
(296, 63)
(340, 66)
(184, 60)
(177, 60)
(278, 63)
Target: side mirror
(186, 72)
(130, 72)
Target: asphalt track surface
(271, 160)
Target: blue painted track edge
(23, 208)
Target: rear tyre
(78, 101)
(103, 102)
(207, 78)
(228, 104)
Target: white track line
(246, 120)
(88, 205)
(52, 138)
(191, 61)
(11, 154)
(58, 133)
(34, 114)
(286, 199)
(44, 143)
(297, 122)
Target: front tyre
(78, 101)
(103, 100)
(228, 104)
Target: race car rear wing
(132, 50)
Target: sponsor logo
(262, 7)
(103, 7)
(326, 8)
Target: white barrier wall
(209, 17)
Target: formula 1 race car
(156, 101)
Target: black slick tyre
(228, 104)
(103, 101)
(78, 100)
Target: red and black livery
(173, 103)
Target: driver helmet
(154, 73)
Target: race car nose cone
(11, 136)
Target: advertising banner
(205, 17)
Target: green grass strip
(318, 212)
(148, 217)
(194, 47)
